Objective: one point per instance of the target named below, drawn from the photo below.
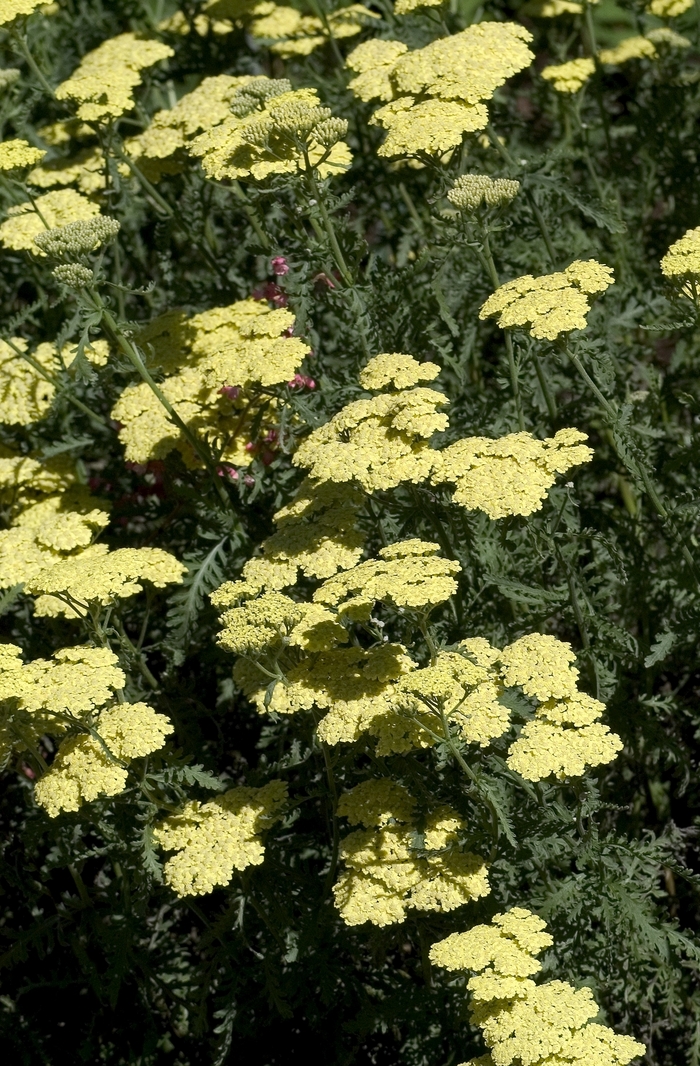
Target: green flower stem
(407, 199)
(328, 223)
(100, 422)
(170, 211)
(251, 215)
(21, 42)
(136, 654)
(335, 833)
(635, 468)
(513, 370)
(539, 217)
(546, 391)
(321, 14)
(124, 344)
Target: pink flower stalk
(301, 381)
(231, 392)
(280, 266)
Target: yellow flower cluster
(683, 257)
(273, 129)
(213, 839)
(408, 574)
(87, 767)
(53, 209)
(50, 517)
(510, 475)
(523, 1022)
(38, 696)
(630, 48)
(565, 736)
(160, 149)
(104, 82)
(436, 94)
(25, 395)
(387, 874)
(406, 7)
(227, 360)
(99, 576)
(668, 9)
(16, 154)
(552, 303)
(316, 533)
(86, 170)
(381, 441)
(12, 9)
(292, 34)
(569, 77)
(550, 9)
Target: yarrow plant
(349, 572)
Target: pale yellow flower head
(376, 803)
(374, 62)
(213, 839)
(552, 303)
(683, 257)
(398, 370)
(12, 9)
(668, 9)
(550, 9)
(523, 1022)
(630, 48)
(570, 77)
(16, 154)
(104, 82)
(53, 209)
(292, 34)
(510, 475)
(25, 395)
(470, 191)
(385, 876)
(406, 7)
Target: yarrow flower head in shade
(292, 34)
(668, 9)
(273, 129)
(87, 767)
(13, 9)
(213, 839)
(387, 874)
(25, 393)
(682, 262)
(104, 82)
(510, 475)
(53, 209)
(470, 191)
(551, 304)
(523, 1022)
(18, 154)
(437, 94)
(551, 9)
(630, 48)
(570, 77)
(407, 7)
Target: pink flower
(280, 265)
(226, 470)
(231, 392)
(301, 381)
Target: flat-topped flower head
(523, 1022)
(18, 154)
(376, 802)
(668, 9)
(104, 82)
(213, 839)
(14, 9)
(398, 370)
(682, 260)
(53, 209)
(25, 394)
(630, 48)
(290, 33)
(432, 126)
(510, 475)
(551, 9)
(570, 77)
(385, 875)
(407, 7)
(551, 304)
(374, 62)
